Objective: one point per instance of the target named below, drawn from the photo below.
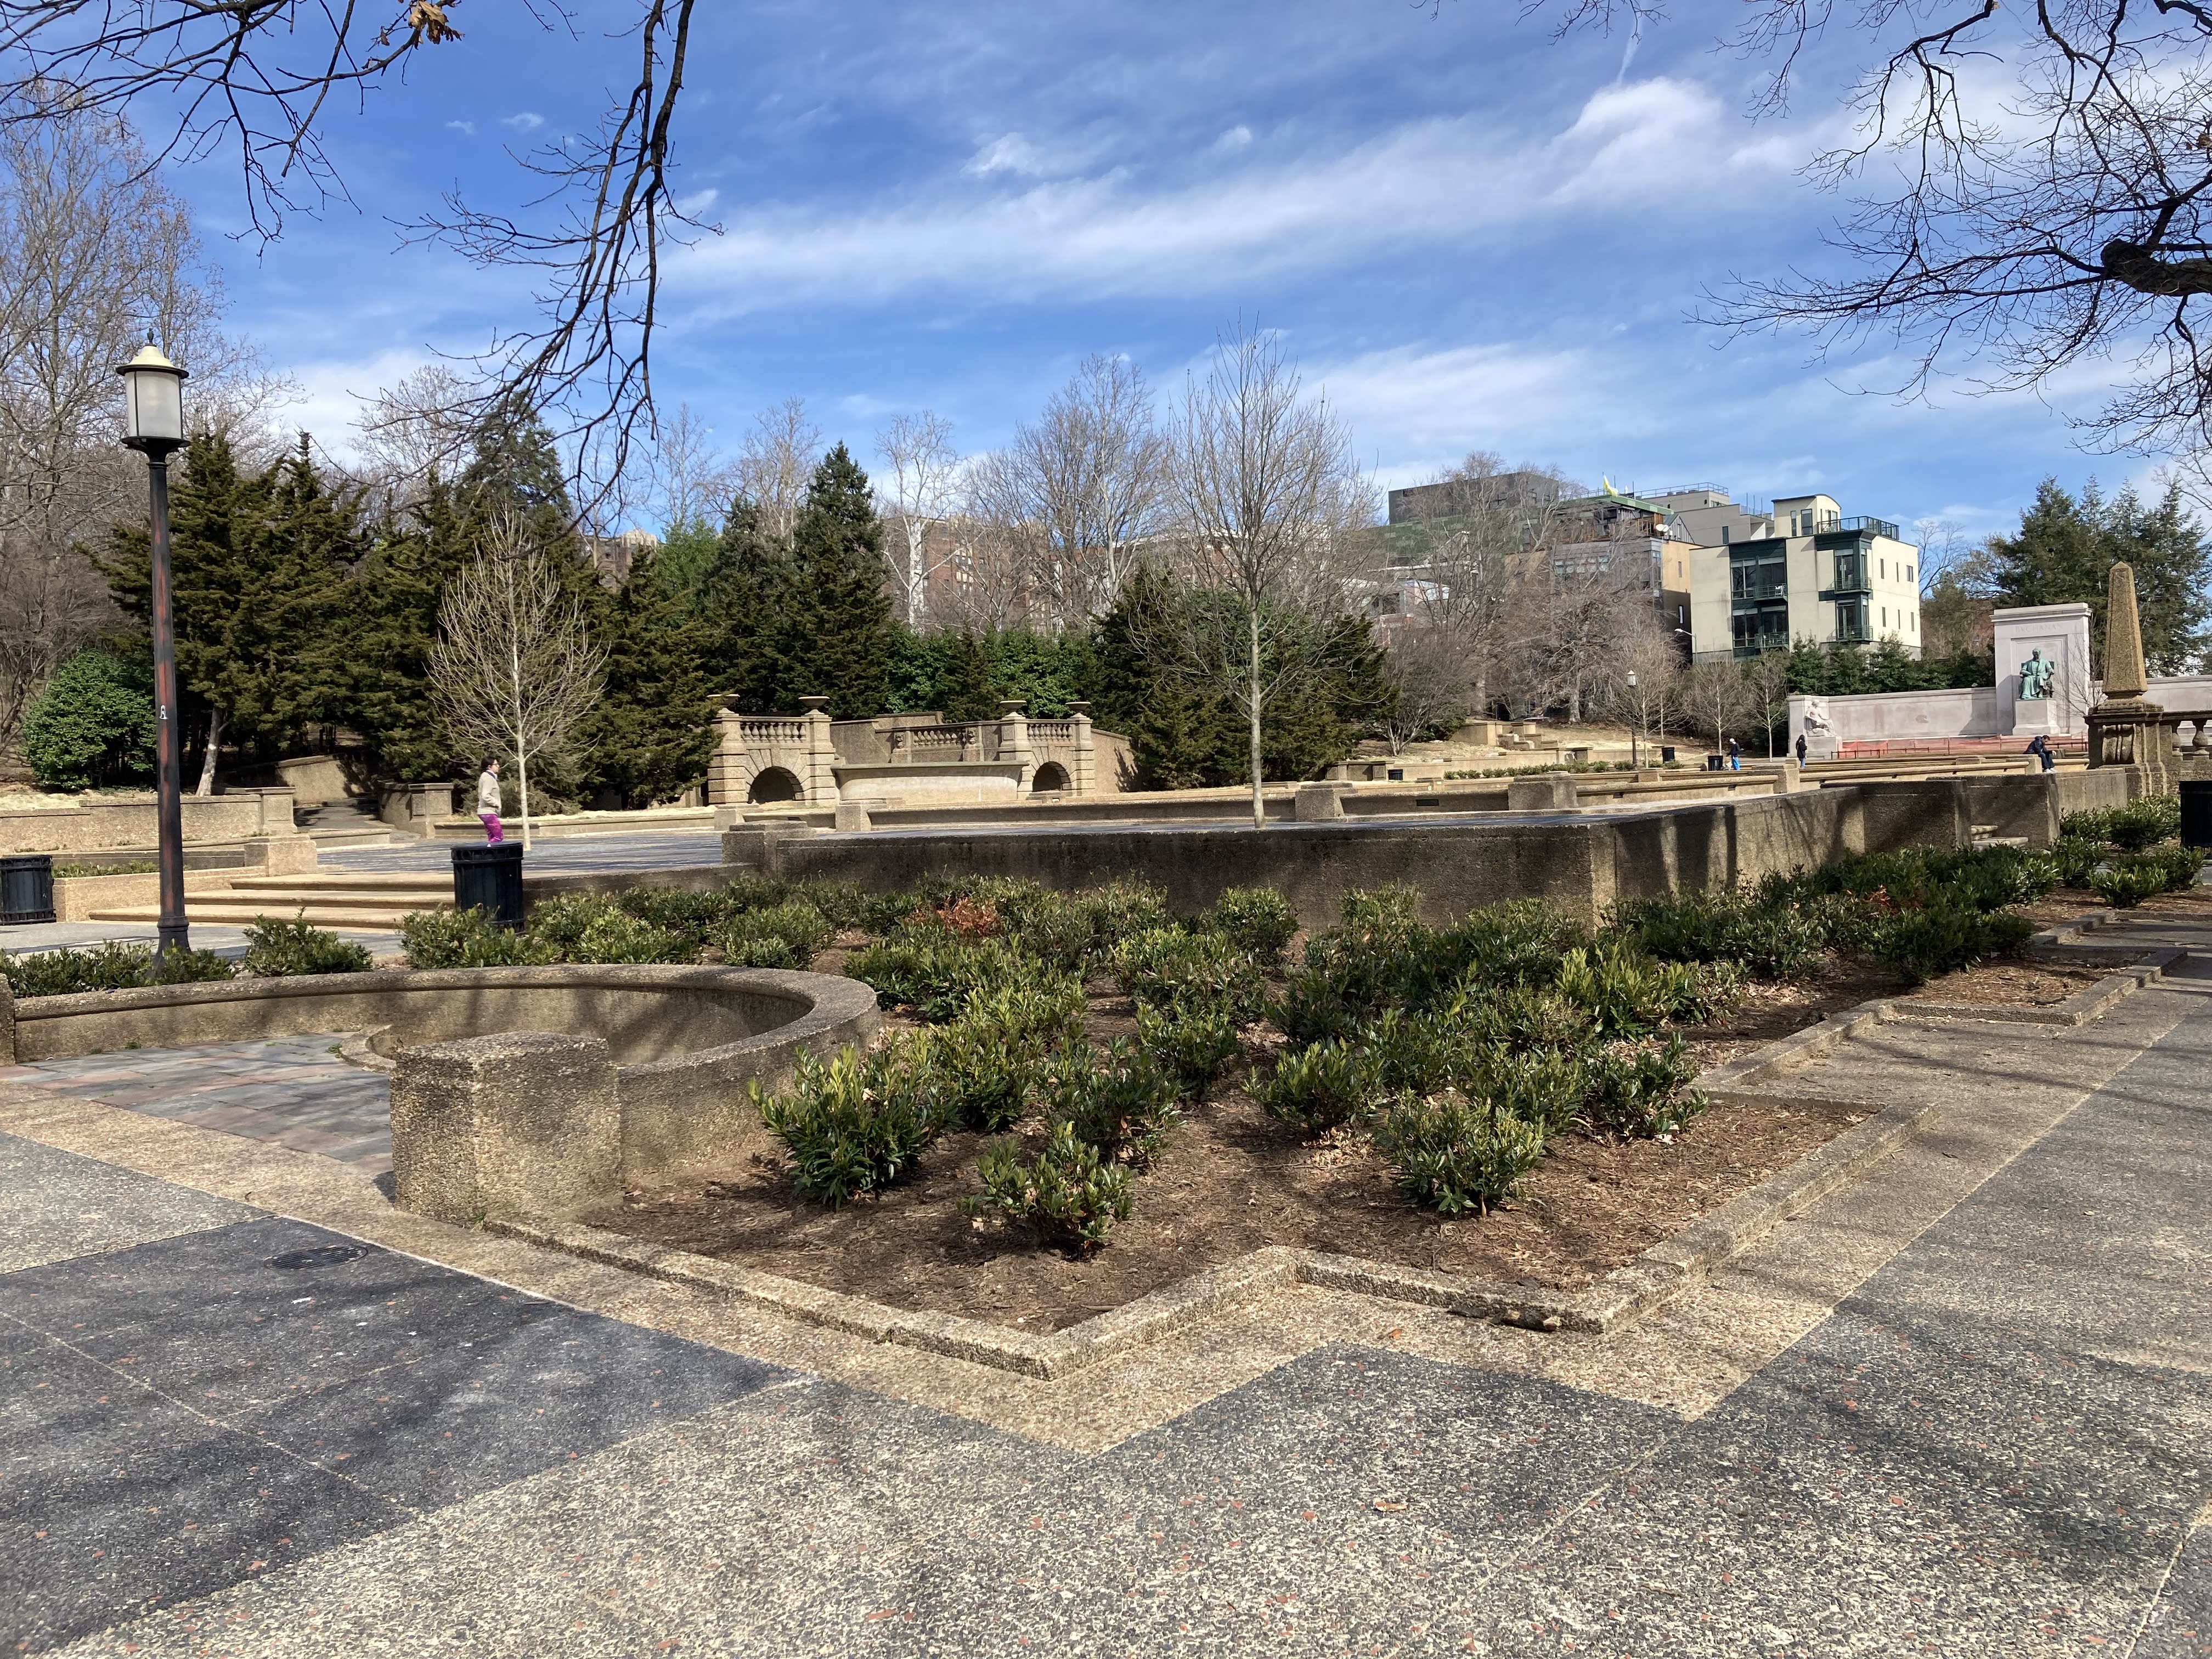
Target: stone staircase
(345, 823)
(368, 903)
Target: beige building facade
(1763, 578)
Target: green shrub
(1117, 1098)
(1626, 993)
(787, 935)
(615, 936)
(1924, 942)
(1322, 1088)
(1067, 1195)
(2143, 823)
(2183, 865)
(842, 903)
(979, 1075)
(1120, 909)
(853, 1125)
(755, 893)
(1194, 1042)
(933, 971)
(2128, 882)
(1768, 937)
(2075, 857)
(1453, 1155)
(114, 966)
(469, 939)
(1037, 1008)
(92, 723)
(1258, 920)
(121, 868)
(189, 967)
(1525, 1020)
(1641, 1092)
(1418, 1053)
(277, 949)
(557, 924)
(1518, 943)
(1169, 967)
(1547, 1089)
(696, 918)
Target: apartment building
(1761, 576)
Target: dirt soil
(2070, 904)
(1234, 1179)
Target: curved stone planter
(683, 1043)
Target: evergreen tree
(261, 586)
(387, 700)
(92, 723)
(653, 732)
(838, 626)
(2065, 551)
(743, 602)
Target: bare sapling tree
(1266, 488)
(515, 670)
(1650, 668)
(925, 477)
(1715, 697)
(409, 433)
(1767, 689)
(774, 462)
(1426, 670)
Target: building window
(1908, 575)
(1724, 535)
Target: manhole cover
(323, 1256)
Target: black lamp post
(154, 422)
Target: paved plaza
(1961, 1408)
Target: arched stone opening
(773, 784)
(1050, 777)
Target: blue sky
(1472, 233)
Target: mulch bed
(1233, 1180)
(2071, 903)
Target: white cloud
(526, 121)
(697, 202)
(1011, 153)
(1238, 137)
(1645, 147)
(466, 128)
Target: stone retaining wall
(99, 823)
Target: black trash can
(1717, 763)
(26, 887)
(1667, 754)
(2196, 812)
(491, 878)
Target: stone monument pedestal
(2129, 732)
(2034, 717)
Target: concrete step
(333, 881)
(218, 907)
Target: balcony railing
(1828, 524)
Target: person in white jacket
(487, 804)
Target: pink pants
(493, 834)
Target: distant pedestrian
(1735, 755)
(487, 804)
(2041, 750)
(1801, 749)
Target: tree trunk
(917, 596)
(214, 748)
(521, 737)
(1259, 803)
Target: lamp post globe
(154, 424)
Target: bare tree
(1267, 488)
(1715, 697)
(514, 670)
(686, 479)
(991, 563)
(412, 431)
(775, 461)
(1426, 670)
(1766, 691)
(1083, 485)
(258, 79)
(925, 475)
(1650, 664)
(94, 250)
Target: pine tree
(2065, 551)
(2166, 545)
(743, 602)
(388, 699)
(838, 626)
(651, 736)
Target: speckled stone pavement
(246, 1407)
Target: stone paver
(293, 1091)
(1996, 1438)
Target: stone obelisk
(2124, 730)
